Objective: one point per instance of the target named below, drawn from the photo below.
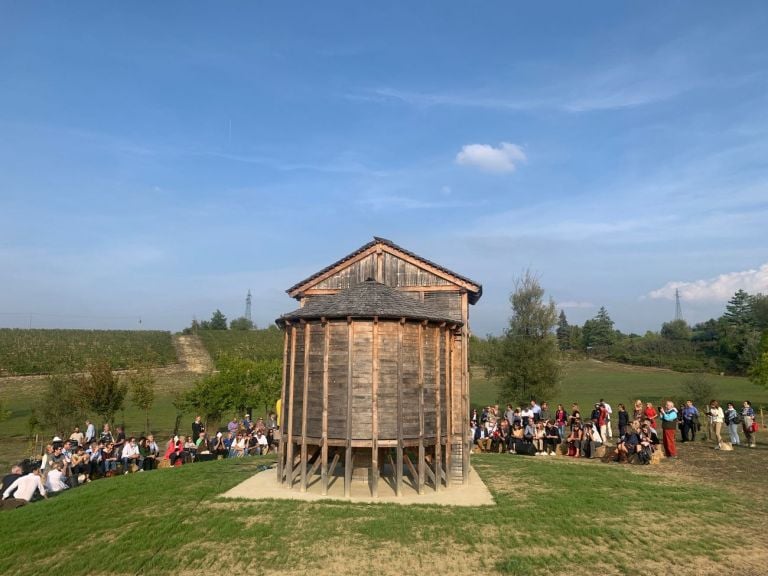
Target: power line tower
(248, 305)
(678, 309)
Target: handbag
(754, 427)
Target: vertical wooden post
(281, 423)
(304, 401)
(465, 387)
(375, 411)
(422, 462)
(291, 382)
(348, 458)
(379, 265)
(438, 408)
(399, 458)
(448, 403)
(324, 438)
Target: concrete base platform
(264, 486)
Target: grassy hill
(586, 381)
(25, 352)
(264, 344)
(552, 516)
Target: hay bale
(657, 456)
(164, 463)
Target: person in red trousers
(669, 427)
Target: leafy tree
(102, 390)
(241, 323)
(758, 372)
(699, 389)
(759, 307)
(527, 358)
(60, 408)
(142, 387)
(598, 331)
(218, 321)
(676, 330)
(563, 332)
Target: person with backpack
(748, 423)
(732, 420)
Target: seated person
(54, 479)
(628, 442)
(538, 437)
(574, 439)
(238, 447)
(481, 438)
(131, 455)
(590, 440)
(81, 464)
(220, 447)
(202, 446)
(516, 437)
(551, 437)
(529, 431)
(262, 442)
(108, 459)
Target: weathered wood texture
(394, 363)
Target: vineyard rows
(266, 344)
(24, 352)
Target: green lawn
(552, 516)
(586, 381)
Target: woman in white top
(716, 419)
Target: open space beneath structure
(265, 486)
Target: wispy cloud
(505, 158)
(719, 288)
(395, 202)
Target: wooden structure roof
(473, 289)
(369, 299)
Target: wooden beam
(324, 439)
(465, 387)
(291, 384)
(399, 449)
(348, 458)
(304, 402)
(379, 266)
(421, 409)
(448, 404)
(281, 423)
(414, 474)
(317, 461)
(375, 411)
(438, 415)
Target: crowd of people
(86, 456)
(535, 429)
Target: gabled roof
(367, 300)
(474, 289)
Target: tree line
(527, 359)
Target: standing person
(90, 432)
(561, 417)
(602, 422)
(106, 435)
(716, 418)
(637, 414)
(77, 436)
(669, 426)
(623, 420)
(650, 413)
(197, 428)
(732, 420)
(609, 410)
(544, 414)
(748, 423)
(690, 416)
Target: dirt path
(192, 355)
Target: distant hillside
(24, 352)
(263, 344)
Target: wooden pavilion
(376, 375)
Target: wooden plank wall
(337, 380)
(362, 380)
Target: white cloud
(719, 288)
(505, 158)
(572, 304)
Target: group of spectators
(536, 430)
(84, 456)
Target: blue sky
(157, 160)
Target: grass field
(552, 516)
(45, 351)
(586, 381)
